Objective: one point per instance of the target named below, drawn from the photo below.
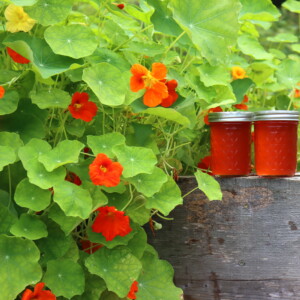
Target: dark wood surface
(244, 247)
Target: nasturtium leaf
(151, 286)
(288, 73)
(73, 200)
(137, 211)
(73, 252)
(19, 256)
(73, 40)
(118, 267)
(120, 188)
(64, 277)
(212, 25)
(11, 139)
(94, 287)
(167, 198)
(240, 88)
(142, 13)
(98, 197)
(145, 48)
(208, 185)
(296, 48)
(7, 76)
(48, 12)
(169, 114)
(76, 127)
(9, 103)
(214, 75)
(282, 102)
(250, 45)
(292, 5)
(260, 10)
(67, 224)
(7, 219)
(65, 152)
(29, 227)
(260, 72)
(107, 82)
(149, 184)
(105, 143)
(24, 2)
(7, 156)
(36, 172)
(135, 160)
(283, 38)
(138, 243)
(55, 245)
(50, 98)
(31, 196)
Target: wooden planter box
(244, 247)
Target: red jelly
(275, 141)
(230, 143)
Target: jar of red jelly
(275, 141)
(230, 143)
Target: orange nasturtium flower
(238, 72)
(16, 57)
(297, 91)
(171, 85)
(82, 108)
(38, 293)
(17, 19)
(121, 5)
(133, 289)
(242, 105)
(2, 91)
(111, 223)
(215, 109)
(104, 171)
(142, 78)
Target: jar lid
(230, 116)
(280, 115)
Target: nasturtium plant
(103, 105)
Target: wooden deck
(244, 247)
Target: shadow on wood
(244, 247)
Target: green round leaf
(167, 198)
(292, 5)
(214, 75)
(21, 257)
(7, 76)
(31, 196)
(107, 82)
(65, 152)
(118, 267)
(73, 200)
(73, 40)
(23, 2)
(288, 73)
(145, 48)
(7, 156)
(64, 277)
(7, 219)
(149, 184)
(50, 98)
(208, 185)
(283, 38)
(156, 280)
(9, 103)
(29, 227)
(105, 143)
(296, 48)
(213, 29)
(12, 140)
(48, 12)
(135, 160)
(138, 243)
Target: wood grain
(244, 247)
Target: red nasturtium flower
(242, 105)
(133, 289)
(38, 293)
(171, 85)
(104, 171)
(142, 78)
(89, 247)
(72, 177)
(121, 5)
(82, 108)
(2, 92)
(215, 109)
(205, 164)
(16, 57)
(238, 72)
(111, 222)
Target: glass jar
(275, 140)
(230, 143)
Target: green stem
(130, 200)
(9, 185)
(163, 217)
(191, 191)
(88, 154)
(174, 42)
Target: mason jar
(275, 142)
(230, 143)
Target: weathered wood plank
(244, 247)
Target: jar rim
(230, 116)
(279, 115)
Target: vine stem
(175, 41)
(191, 191)
(9, 185)
(130, 200)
